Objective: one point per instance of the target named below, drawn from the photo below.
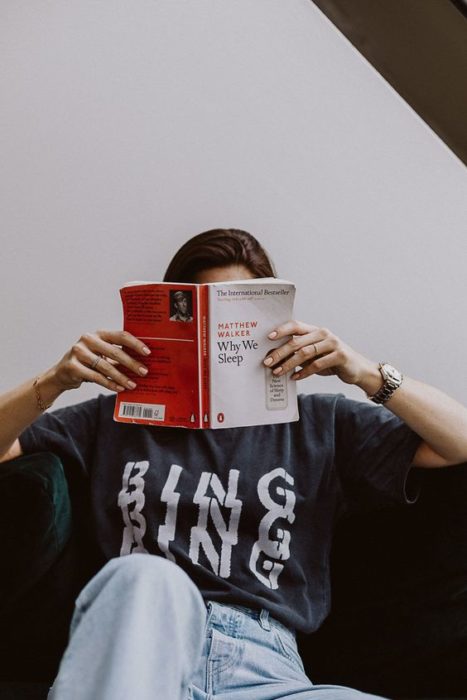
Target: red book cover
(166, 316)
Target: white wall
(127, 127)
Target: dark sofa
(398, 625)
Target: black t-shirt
(249, 512)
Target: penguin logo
(220, 417)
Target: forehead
(223, 274)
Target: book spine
(204, 355)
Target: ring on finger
(316, 349)
(96, 361)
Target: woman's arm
(439, 420)
(19, 408)
(94, 358)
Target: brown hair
(219, 247)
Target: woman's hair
(219, 247)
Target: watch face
(391, 373)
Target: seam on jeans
(290, 654)
(232, 659)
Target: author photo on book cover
(181, 306)
(213, 546)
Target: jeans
(141, 630)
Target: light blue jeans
(141, 631)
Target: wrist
(47, 388)
(371, 380)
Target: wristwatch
(392, 379)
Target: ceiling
(420, 48)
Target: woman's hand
(317, 351)
(100, 357)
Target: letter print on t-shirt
(131, 500)
(267, 550)
(166, 532)
(271, 547)
(209, 506)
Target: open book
(208, 343)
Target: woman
(241, 518)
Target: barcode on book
(146, 411)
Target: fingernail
(131, 384)
(268, 361)
(143, 371)
(120, 388)
(146, 351)
(272, 334)
(277, 371)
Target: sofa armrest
(35, 521)
(398, 624)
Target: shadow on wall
(420, 48)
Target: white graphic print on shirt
(166, 532)
(266, 552)
(131, 501)
(200, 536)
(271, 548)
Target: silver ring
(96, 362)
(316, 349)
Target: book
(208, 343)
